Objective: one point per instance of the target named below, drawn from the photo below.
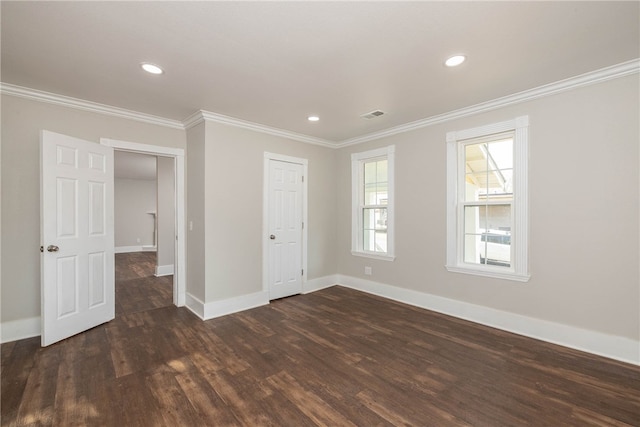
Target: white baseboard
(139, 248)
(127, 249)
(195, 305)
(164, 270)
(232, 305)
(213, 309)
(20, 329)
(319, 283)
(611, 346)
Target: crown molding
(80, 104)
(598, 76)
(202, 116)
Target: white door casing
(285, 214)
(76, 214)
(179, 273)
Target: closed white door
(285, 229)
(76, 190)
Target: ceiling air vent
(372, 114)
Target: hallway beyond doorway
(137, 289)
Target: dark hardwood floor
(137, 289)
(336, 357)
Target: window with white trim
(487, 200)
(372, 204)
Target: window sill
(496, 274)
(373, 256)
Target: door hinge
(302, 274)
(302, 178)
(303, 225)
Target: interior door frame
(265, 215)
(179, 273)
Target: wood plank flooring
(336, 357)
(137, 289)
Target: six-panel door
(78, 290)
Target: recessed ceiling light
(313, 118)
(151, 68)
(455, 60)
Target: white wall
(584, 214)
(133, 200)
(166, 215)
(196, 226)
(22, 121)
(226, 209)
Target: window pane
(368, 240)
(501, 153)
(370, 194)
(489, 170)
(381, 241)
(374, 222)
(498, 217)
(473, 247)
(375, 183)
(381, 170)
(475, 158)
(474, 227)
(498, 249)
(370, 173)
(374, 219)
(474, 219)
(382, 193)
(498, 235)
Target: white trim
(195, 305)
(14, 330)
(200, 116)
(593, 77)
(127, 249)
(136, 147)
(180, 266)
(164, 270)
(319, 283)
(223, 307)
(606, 345)
(265, 215)
(357, 162)
(519, 270)
(374, 255)
(489, 272)
(80, 104)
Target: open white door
(76, 228)
(285, 228)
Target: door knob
(53, 248)
(272, 237)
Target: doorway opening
(159, 255)
(144, 231)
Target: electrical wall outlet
(367, 271)
(138, 240)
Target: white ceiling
(275, 63)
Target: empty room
(331, 213)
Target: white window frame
(519, 269)
(357, 187)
